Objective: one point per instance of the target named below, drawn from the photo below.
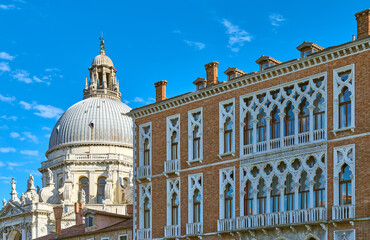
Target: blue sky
(47, 46)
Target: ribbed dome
(93, 120)
(102, 59)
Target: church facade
(89, 161)
(280, 153)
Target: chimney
(58, 212)
(130, 209)
(78, 212)
(363, 23)
(212, 73)
(160, 88)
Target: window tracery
(227, 126)
(227, 193)
(195, 198)
(195, 135)
(173, 136)
(145, 207)
(173, 201)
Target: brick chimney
(363, 23)
(78, 212)
(58, 212)
(212, 73)
(160, 88)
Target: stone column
(296, 121)
(268, 121)
(311, 185)
(296, 193)
(24, 234)
(268, 199)
(254, 192)
(92, 186)
(281, 116)
(254, 122)
(311, 108)
(281, 189)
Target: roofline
(327, 55)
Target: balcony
(343, 212)
(194, 228)
(143, 172)
(145, 233)
(172, 231)
(171, 166)
(281, 218)
(226, 225)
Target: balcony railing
(226, 225)
(171, 166)
(343, 212)
(194, 228)
(145, 233)
(172, 231)
(143, 172)
(281, 218)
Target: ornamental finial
(102, 46)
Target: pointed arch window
(101, 189)
(229, 208)
(228, 132)
(197, 206)
(289, 120)
(196, 143)
(248, 199)
(275, 195)
(304, 116)
(261, 127)
(345, 108)
(146, 213)
(304, 191)
(319, 113)
(261, 197)
(248, 129)
(175, 209)
(289, 193)
(84, 184)
(275, 124)
(174, 146)
(345, 186)
(319, 189)
(146, 153)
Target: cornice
(327, 55)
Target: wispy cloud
(276, 19)
(33, 153)
(46, 128)
(140, 100)
(6, 56)
(237, 36)
(197, 45)
(31, 137)
(7, 150)
(5, 180)
(52, 70)
(177, 31)
(14, 118)
(7, 6)
(45, 111)
(14, 135)
(6, 99)
(4, 67)
(4, 127)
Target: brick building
(276, 154)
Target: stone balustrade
(145, 233)
(343, 212)
(194, 228)
(172, 231)
(143, 172)
(171, 166)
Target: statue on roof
(102, 45)
(31, 183)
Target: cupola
(233, 73)
(307, 48)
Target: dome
(93, 121)
(102, 59)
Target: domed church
(89, 161)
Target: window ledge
(221, 155)
(194, 160)
(343, 130)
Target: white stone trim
(344, 155)
(226, 175)
(169, 131)
(223, 115)
(193, 183)
(338, 85)
(142, 137)
(173, 186)
(191, 125)
(350, 234)
(145, 190)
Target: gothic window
(174, 144)
(174, 209)
(145, 144)
(195, 201)
(261, 127)
(275, 123)
(145, 206)
(319, 113)
(147, 213)
(146, 153)
(275, 195)
(289, 193)
(248, 129)
(227, 193)
(84, 184)
(319, 189)
(195, 131)
(173, 201)
(229, 208)
(344, 108)
(196, 143)
(303, 192)
(228, 126)
(173, 137)
(248, 199)
(261, 197)
(196, 206)
(226, 119)
(101, 189)
(345, 186)
(304, 116)
(289, 120)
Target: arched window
(275, 195)
(175, 209)
(84, 184)
(289, 120)
(174, 144)
(304, 116)
(248, 129)
(275, 123)
(196, 143)
(261, 197)
(344, 108)
(319, 113)
(229, 208)
(101, 189)
(304, 191)
(319, 189)
(261, 127)
(196, 206)
(146, 153)
(248, 199)
(289, 193)
(146, 213)
(345, 186)
(228, 132)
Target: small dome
(102, 59)
(93, 121)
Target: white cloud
(22, 76)
(6, 99)
(7, 7)
(46, 128)
(14, 135)
(177, 31)
(7, 150)
(4, 67)
(198, 45)
(14, 118)
(276, 19)
(31, 137)
(6, 56)
(52, 70)
(36, 79)
(237, 36)
(140, 100)
(34, 153)
(45, 111)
